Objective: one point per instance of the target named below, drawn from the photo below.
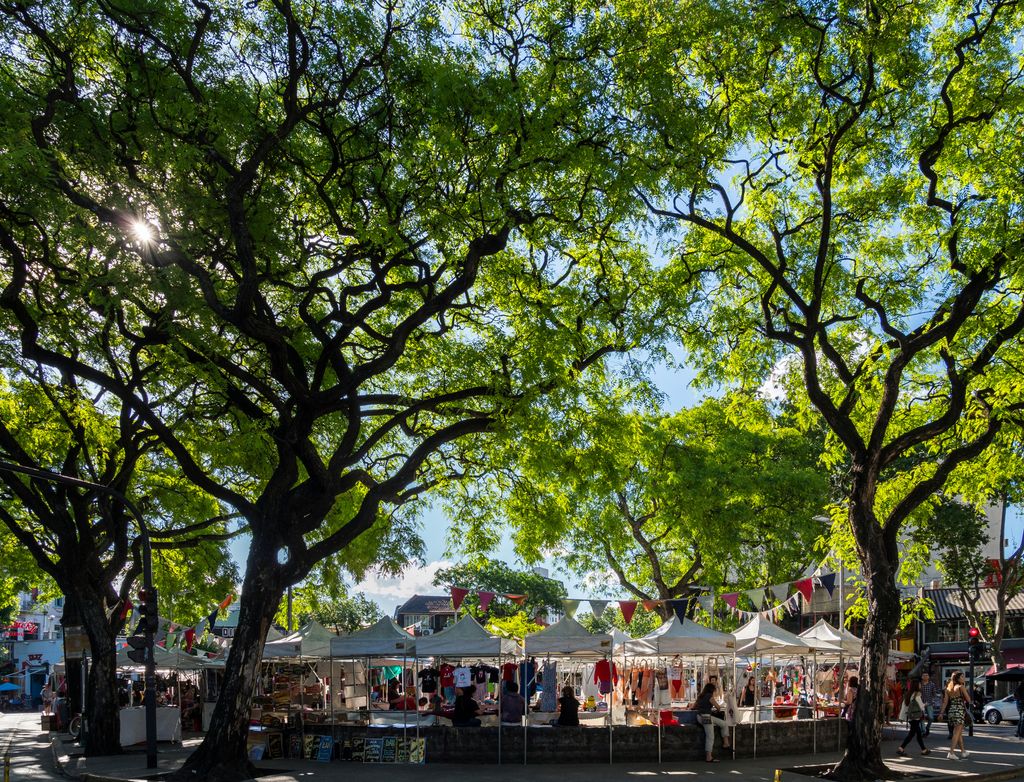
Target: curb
(782, 775)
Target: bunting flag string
(783, 601)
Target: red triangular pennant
(485, 599)
(190, 637)
(650, 605)
(805, 587)
(731, 598)
(517, 599)
(458, 595)
(628, 608)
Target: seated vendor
(399, 702)
(513, 705)
(467, 710)
(568, 708)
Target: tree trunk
(222, 756)
(879, 560)
(102, 726)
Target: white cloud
(391, 592)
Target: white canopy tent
(682, 637)
(466, 638)
(759, 636)
(383, 639)
(568, 638)
(848, 643)
(311, 640)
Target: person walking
(955, 702)
(929, 696)
(914, 705)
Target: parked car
(1002, 709)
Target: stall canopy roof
(383, 639)
(847, 642)
(465, 638)
(682, 637)
(175, 660)
(569, 638)
(761, 636)
(311, 640)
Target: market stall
(466, 638)
(686, 638)
(759, 637)
(567, 638)
(296, 682)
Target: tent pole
(733, 739)
(525, 694)
(814, 705)
(611, 697)
(500, 682)
(416, 678)
(330, 694)
(839, 728)
(302, 698)
(405, 702)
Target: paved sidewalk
(995, 754)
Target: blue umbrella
(8, 687)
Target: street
(29, 747)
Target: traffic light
(974, 644)
(148, 619)
(139, 649)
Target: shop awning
(841, 637)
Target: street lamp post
(147, 581)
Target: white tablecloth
(133, 725)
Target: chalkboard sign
(390, 752)
(358, 748)
(295, 746)
(310, 745)
(417, 750)
(373, 750)
(275, 745)
(325, 749)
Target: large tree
(838, 186)
(658, 505)
(83, 542)
(363, 232)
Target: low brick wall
(591, 745)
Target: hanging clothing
(463, 677)
(605, 674)
(508, 672)
(428, 680)
(549, 695)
